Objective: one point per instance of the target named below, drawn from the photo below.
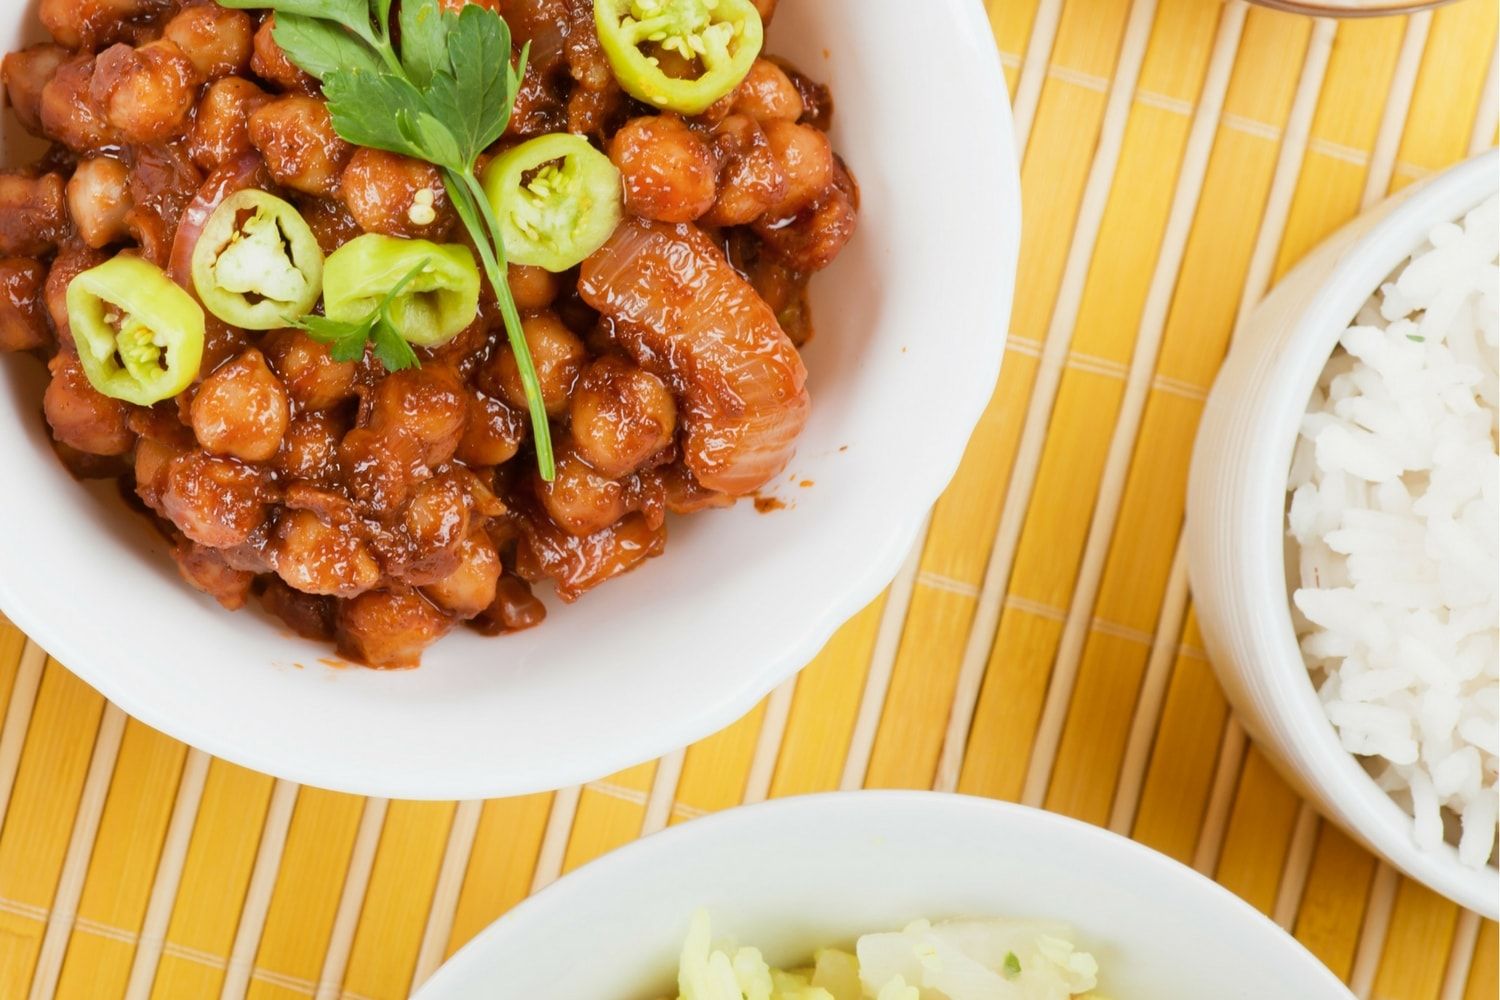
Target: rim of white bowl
(1361, 268)
(934, 468)
(559, 901)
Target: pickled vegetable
(139, 335)
(257, 264)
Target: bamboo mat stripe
(168, 876)
(1038, 645)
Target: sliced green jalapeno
(720, 38)
(257, 265)
(436, 301)
(557, 199)
(139, 335)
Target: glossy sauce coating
(380, 511)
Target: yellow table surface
(1041, 647)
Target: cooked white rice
(1394, 484)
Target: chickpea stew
(386, 314)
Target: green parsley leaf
(444, 98)
(393, 351)
(375, 110)
(486, 83)
(352, 14)
(1012, 965)
(320, 47)
(441, 144)
(346, 340)
(424, 51)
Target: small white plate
(911, 328)
(797, 874)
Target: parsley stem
(385, 304)
(469, 199)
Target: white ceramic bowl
(793, 875)
(1236, 516)
(911, 328)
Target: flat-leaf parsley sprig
(346, 340)
(444, 97)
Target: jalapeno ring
(723, 37)
(557, 198)
(257, 264)
(429, 310)
(139, 334)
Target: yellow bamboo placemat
(1038, 646)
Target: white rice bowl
(1395, 512)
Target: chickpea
(396, 195)
(814, 236)
(532, 287)
(579, 499)
(621, 415)
(216, 39)
(241, 410)
(207, 570)
(493, 434)
(25, 74)
(23, 320)
(806, 159)
(295, 135)
(310, 449)
(320, 558)
(668, 172)
(750, 177)
(428, 405)
(68, 112)
(72, 260)
(32, 214)
(153, 459)
(479, 489)
(389, 628)
(470, 588)
(766, 9)
(80, 416)
(215, 501)
(146, 93)
(767, 94)
(86, 23)
(379, 469)
(312, 378)
(558, 354)
(99, 200)
(221, 131)
(436, 521)
(270, 63)
(332, 505)
(578, 565)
